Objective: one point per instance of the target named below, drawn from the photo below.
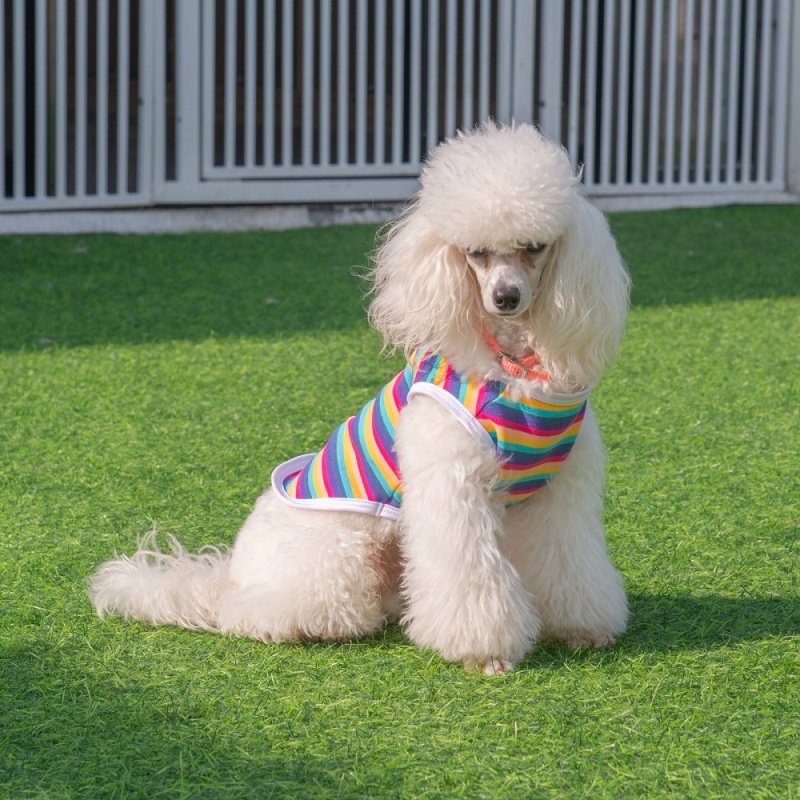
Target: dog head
(499, 231)
(513, 187)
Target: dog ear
(580, 317)
(420, 284)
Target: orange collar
(516, 368)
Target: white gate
(679, 96)
(142, 102)
(77, 102)
(339, 100)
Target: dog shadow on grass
(667, 623)
(682, 622)
(700, 622)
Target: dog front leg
(463, 598)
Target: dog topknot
(498, 187)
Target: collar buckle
(514, 367)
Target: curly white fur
(499, 211)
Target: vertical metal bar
(655, 94)
(607, 96)
(670, 106)
(152, 51)
(269, 83)
(2, 105)
(525, 59)
(101, 99)
(415, 125)
(484, 58)
(398, 82)
(123, 81)
(751, 23)
(18, 147)
(702, 92)
(790, 180)
(451, 75)
(287, 83)
(433, 74)
(468, 64)
(717, 98)
(250, 30)
(591, 95)
(80, 97)
(308, 84)
(209, 98)
(343, 84)
(361, 83)
(623, 61)
(40, 58)
(379, 83)
(505, 33)
(325, 38)
(639, 107)
(230, 84)
(61, 100)
(764, 93)
(551, 67)
(686, 99)
(781, 94)
(152, 95)
(575, 83)
(733, 94)
(194, 92)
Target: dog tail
(176, 588)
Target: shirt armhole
(289, 468)
(457, 409)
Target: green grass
(157, 380)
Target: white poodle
(506, 291)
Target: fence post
(523, 60)
(189, 46)
(551, 72)
(793, 106)
(505, 60)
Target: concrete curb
(184, 220)
(276, 218)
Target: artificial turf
(157, 380)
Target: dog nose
(506, 298)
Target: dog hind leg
(304, 575)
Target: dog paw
(602, 642)
(490, 666)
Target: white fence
(146, 102)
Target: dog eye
(476, 253)
(533, 248)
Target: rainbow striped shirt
(357, 469)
